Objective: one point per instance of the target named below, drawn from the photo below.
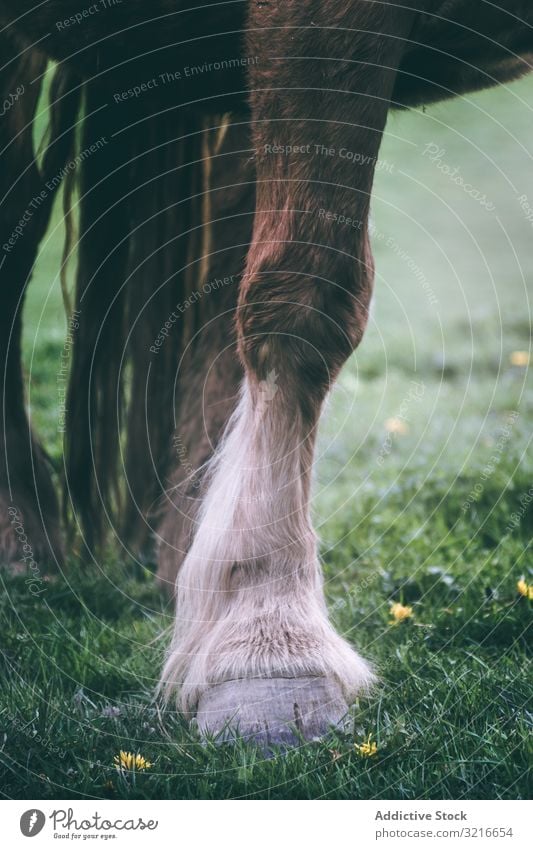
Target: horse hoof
(272, 712)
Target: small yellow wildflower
(367, 749)
(129, 761)
(400, 612)
(520, 358)
(525, 589)
(396, 425)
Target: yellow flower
(525, 589)
(520, 358)
(396, 425)
(367, 749)
(400, 612)
(129, 761)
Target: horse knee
(304, 323)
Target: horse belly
(462, 45)
(174, 49)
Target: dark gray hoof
(272, 712)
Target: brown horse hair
(28, 174)
(141, 240)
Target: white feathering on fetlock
(249, 594)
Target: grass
(419, 515)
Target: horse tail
(140, 198)
(33, 157)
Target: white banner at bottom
(267, 825)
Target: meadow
(423, 498)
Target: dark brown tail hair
(140, 217)
(18, 143)
(28, 185)
(135, 184)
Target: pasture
(423, 496)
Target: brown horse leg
(250, 603)
(210, 372)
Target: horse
(216, 301)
